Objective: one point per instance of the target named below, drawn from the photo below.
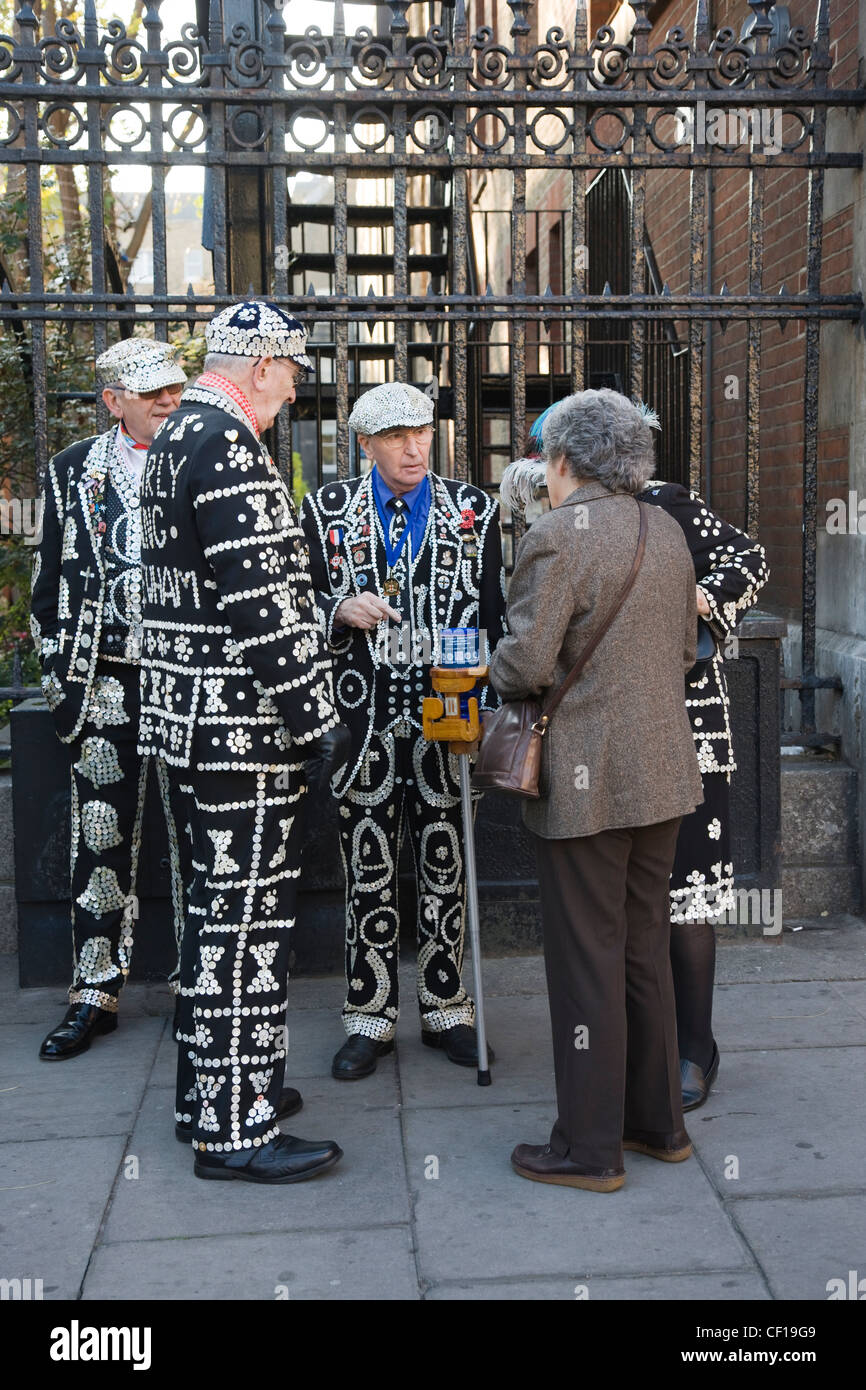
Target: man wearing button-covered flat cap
(236, 695)
(400, 546)
(86, 623)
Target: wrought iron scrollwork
(125, 55)
(550, 61)
(307, 60)
(671, 61)
(429, 58)
(491, 61)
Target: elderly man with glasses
(86, 623)
(237, 695)
(397, 555)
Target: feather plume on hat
(523, 482)
(650, 415)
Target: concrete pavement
(98, 1200)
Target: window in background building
(142, 267)
(193, 263)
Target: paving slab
(834, 951)
(508, 975)
(52, 1200)
(791, 1021)
(786, 1117)
(518, 1028)
(96, 1093)
(367, 1187)
(47, 1005)
(854, 994)
(334, 1266)
(718, 1287)
(479, 1219)
(803, 1243)
(801, 1013)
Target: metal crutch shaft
(472, 908)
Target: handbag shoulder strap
(551, 704)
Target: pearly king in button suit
(236, 694)
(392, 565)
(86, 623)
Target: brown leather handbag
(509, 756)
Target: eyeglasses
(154, 395)
(299, 375)
(175, 390)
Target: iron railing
(401, 127)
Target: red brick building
(721, 464)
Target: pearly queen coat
(731, 568)
(68, 583)
(234, 665)
(375, 692)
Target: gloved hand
(328, 754)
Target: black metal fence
(344, 175)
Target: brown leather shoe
(539, 1163)
(670, 1148)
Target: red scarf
(230, 388)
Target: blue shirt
(417, 504)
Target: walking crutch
(451, 716)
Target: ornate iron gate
(356, 160)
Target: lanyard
(393, 553)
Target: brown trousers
(605, 911)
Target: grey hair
(603, 436)
(225, 363)
(522, 483)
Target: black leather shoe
(284, 1159)
(539, 1163)
(81, 1024)
(358, 1057)
(670, 1148)
(459, 1044)
(695, 1082)
(290, 1103)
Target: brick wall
(785, 231)
(782, 353)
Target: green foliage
(299, 486)
(70, 404)
(16, 558)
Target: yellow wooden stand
(440, 714)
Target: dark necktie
(399, 519)
(396, 528)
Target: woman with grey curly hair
(730, 570)
(605, 829)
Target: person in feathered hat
(86, 623)
(236, 696)
(397, 555)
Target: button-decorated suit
(395, 781)
(86, 625)
(236, 683)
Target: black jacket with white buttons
(380, 678)
(235, 670)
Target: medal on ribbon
(391, 586)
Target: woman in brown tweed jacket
(620, 770)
